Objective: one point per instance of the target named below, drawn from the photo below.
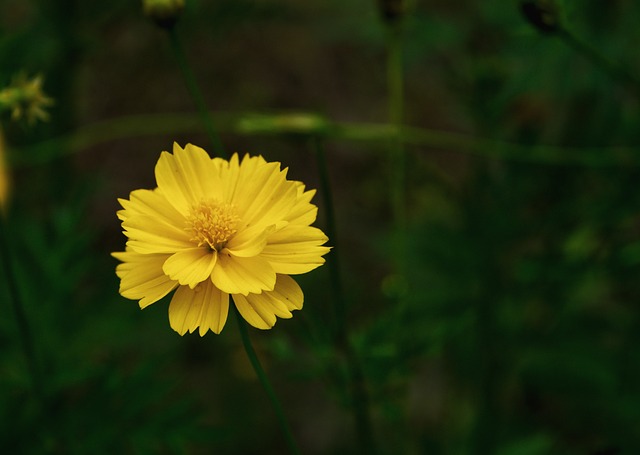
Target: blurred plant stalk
(360, 402)
(26, 101)
(548, 18)
(166, 13)
(266, 384)
(5, 178)
(195, 92)
(17, 303)
(308, 124)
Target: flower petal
(295, 249)
(152, 203)
(142, 277)
(149, 234)
(191, 266)
(187, 177)
(263, 195)
(261, 310)
(205, 306)
(250, 241)
(303, 213)
(288, 292)
(238, 275)
(256, 316)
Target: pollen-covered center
(212, 223)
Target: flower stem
(264, 380)
(359, 395)
(395, 87)
(194, 91)
(613, 69)
(20, 314)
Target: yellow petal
(238, 275)
(152, 224)
(190, 267)
(303, 213)
(142, 277)
(288, 292)
(295, 249)
(261, 310)
(215, 314)
(148, 234)
(257, 317)
(186, 177)
(264, 196)
(152, 203)
(205, 307)
(249, 242)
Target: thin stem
(264, 380)
(613, 69)
(86, 138)
(194, 91)
(333, 259)
(21, 317)
(359, 396)
(397, 155)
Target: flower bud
(25, 99)
(392, 10)
(542, 14)
(165, 13)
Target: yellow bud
(25, 99)
(165, 13)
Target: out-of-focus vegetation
(505, 318)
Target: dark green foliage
(515, 329)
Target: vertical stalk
(194, 91)
(20, 314)
(397, 165)
(397, 155)
(264, 380)
(614, 70)
(357, 387)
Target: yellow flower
(214, 228)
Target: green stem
(359, 397)
(87, 137)
(397, 155)
(333, 259)
(264, 380)
(194, 91)
(20, 314)
(613, 69)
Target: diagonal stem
(357, 385)
(194, 91)
(613, 69)
(397, 155)
(21, 317)
(264, 380)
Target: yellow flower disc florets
(212, 223)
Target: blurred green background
(514, 329)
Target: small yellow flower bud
(25, 99)
(165, 13)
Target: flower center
(212, 223)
